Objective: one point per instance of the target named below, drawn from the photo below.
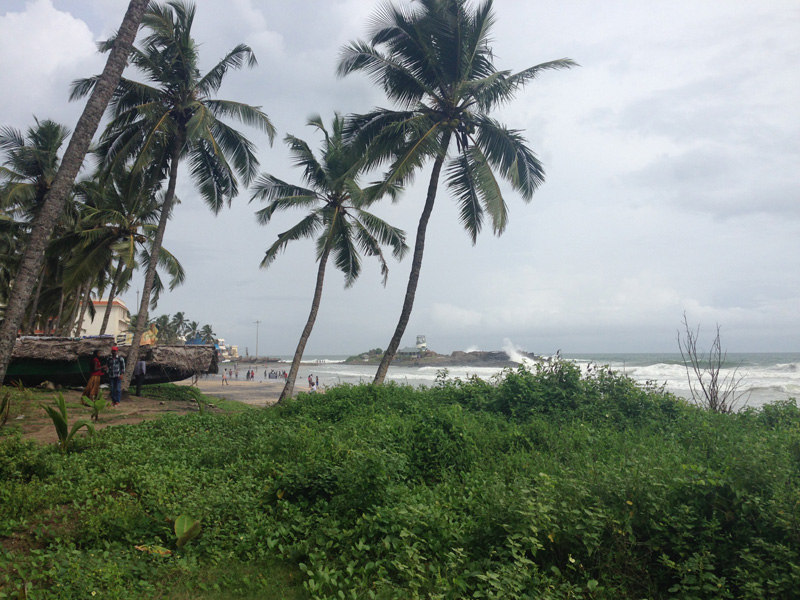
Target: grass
(550, 484)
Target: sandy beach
(260, 392)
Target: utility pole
(257, 324)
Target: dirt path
(35, 424)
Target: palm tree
(336, 217)
(32, 161)
(179, 323)
(192, 330)
(118, 224)
(208, 335)
(435, 61)
(174, 118)
(166, 330)
(31, 262)
(114, 213)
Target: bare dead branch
(709, 386)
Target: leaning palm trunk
(35, 305)
(53, 206)
(111, 293)
(416, 265)
(72, 314)
(57, 324)
(87, 298)
(166, 209)
(288, 389)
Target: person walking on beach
(139, 371)
(95, 372)
(310, 382)
(115, 366)
(224, 377)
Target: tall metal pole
(257, 324)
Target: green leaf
(186, 529)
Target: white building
(118, 320)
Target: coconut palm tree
(435, 61)
(32, 162)
(179, 323)
(336, 217)
(192, 330)
(174, 117)
(118, 224)
(208, 335)
(31, 261)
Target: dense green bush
(546, 484)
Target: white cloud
(41, 50)
(670, 158)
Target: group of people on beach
(313, 384)
(115, 368)
(250, 375)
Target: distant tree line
(177, 329)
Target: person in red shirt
(95, 372)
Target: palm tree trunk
(53, 206)
(57, 323)
(416, 265)
(166, 209)
(35, 304)
(87, 297)
(111, 293)
(69, 322)
(288, 389)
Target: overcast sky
(673, 177)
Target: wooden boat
(65, 361)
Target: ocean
(767, 377)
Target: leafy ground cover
(550, 484)
(27, 417)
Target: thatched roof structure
(197, 359)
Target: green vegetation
(58, 415)
(5, 408)
(549, 484)
(97, 405)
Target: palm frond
(236, 148)
(241, 55)
(345, 255)
(168, 261)
(304, 229)
(506, 151)
(245, 113)
(80, 88)
(384, 234)
(212, 175)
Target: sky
(672, 159)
